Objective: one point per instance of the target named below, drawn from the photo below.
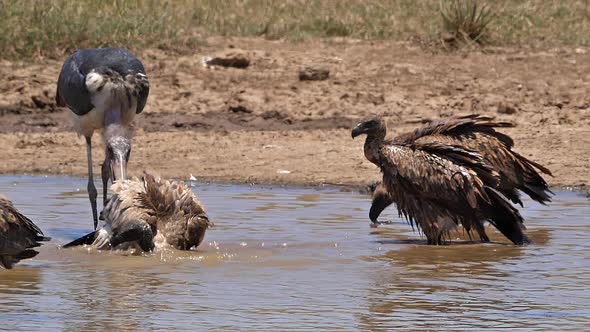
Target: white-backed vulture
(438, 181)
(477, 133)
(18, 235)
(150, 213)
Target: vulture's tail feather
(506, 218)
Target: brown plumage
(477, 133)
(438, 177)
(150, 212)
(18, 235)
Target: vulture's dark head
(372, 125)
(381, 200)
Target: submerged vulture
(455, 171)
(18, 235)
(149, 213)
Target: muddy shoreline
(262, 125)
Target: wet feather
(447, 171)
(18, 235)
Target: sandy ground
(263, 125)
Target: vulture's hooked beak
(358, 130)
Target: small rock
(38, 101)
(375, 99)
(273, 115)
(506, 109)
(238, 108)
(235, 59)
(282, 171)
(314, 73)
(448, 38)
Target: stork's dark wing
(71, 87)
(71, 84)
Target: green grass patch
(53, 27)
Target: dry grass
(466, 20)
(52, 27)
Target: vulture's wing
(448, 178)
(18, 234)
(20, 228)
(517, 172)
(442, 177)
(464, 125)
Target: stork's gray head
(371, 125)
(118, 150)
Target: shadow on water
(294, 258)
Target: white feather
(102, 240)
(112, 95)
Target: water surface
(296, 259)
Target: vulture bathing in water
(149, 213)
(18, 235)
(455, 171)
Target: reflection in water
(424, 285)
(284, 259)
(466, 285)
(118, 301)
(18, 287)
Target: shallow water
(287, 259)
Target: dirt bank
(262, 124)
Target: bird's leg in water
(134, 230)
(377, 223)
(92, 194)
(105, 174)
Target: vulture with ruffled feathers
(18, 235)
(149, 213)
(454, 171)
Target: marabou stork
(104, 88)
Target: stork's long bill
(119, 167)
(118, 143)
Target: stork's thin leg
(106, 174)
(92, 194)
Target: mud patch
(216, 121)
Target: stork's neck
(112, 116)
(372, 144)
(116, 130)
